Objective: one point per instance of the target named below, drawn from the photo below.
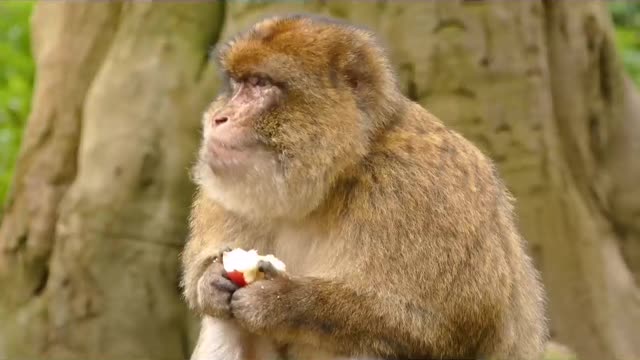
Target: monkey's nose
(221, 120)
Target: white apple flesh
(241, 266)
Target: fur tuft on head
(318, 48)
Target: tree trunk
(93, 230)
(537, 84)
(596, 186)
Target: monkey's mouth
(221, 156)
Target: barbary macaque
(398, 235)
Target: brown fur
(398, 234)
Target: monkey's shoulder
(421, 149)
(421, 166)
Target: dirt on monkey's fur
(398, 234)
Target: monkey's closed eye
(259, 81)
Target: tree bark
(536, 84)
(92, 234)
(590, 149)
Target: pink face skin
(230, 141)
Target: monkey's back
(433, 204)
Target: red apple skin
(237, 277)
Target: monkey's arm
(201, 249)
(209, 236)
(334, 316)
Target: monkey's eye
(258, 81)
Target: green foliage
(16, 83)
(626, 16)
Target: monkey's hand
(256, 306)
(214, 292)
(207, 289)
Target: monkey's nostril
(220, 120)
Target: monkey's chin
(230, 161)
(261, 191)
(234, 166)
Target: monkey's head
(302, 99)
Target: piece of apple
(241, 266)
(237, 277)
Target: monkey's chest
(304, 250)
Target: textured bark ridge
(93, 228)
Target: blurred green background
(16, 83)
(17, 71)
(626, 16)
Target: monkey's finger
(218, 257)
(223, 283)
(268, 269)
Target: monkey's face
(270, 150)
(231, 146)
(288, 122)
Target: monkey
(398, 233)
